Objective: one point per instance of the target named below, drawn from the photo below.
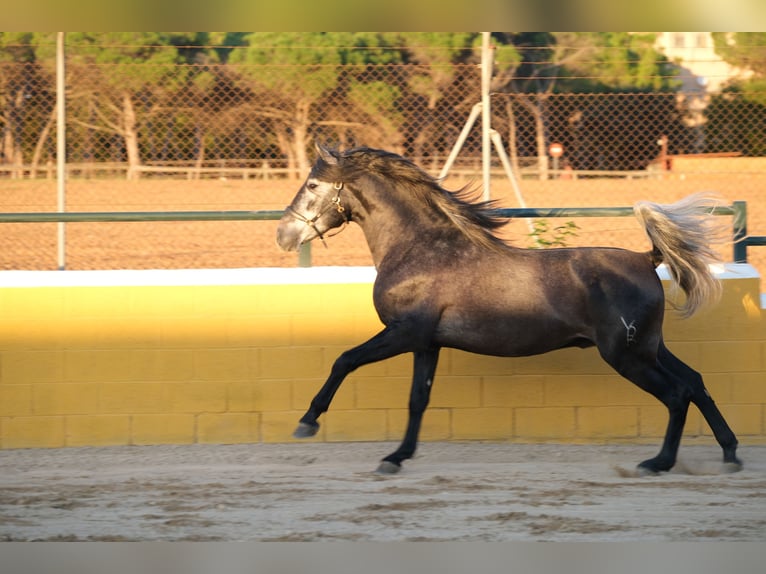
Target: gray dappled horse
(445, 279)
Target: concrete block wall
(232, 356)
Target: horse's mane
(476, 220)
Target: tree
(120, 74)
(540, 64)
(746, 51)
(292, 75)
(23, 105)
(287, 74)
(366, 104)
(741, 131)
(437, 61)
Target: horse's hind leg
(676, 385)
(705, 403)
(668, 391)
(422, 380)
(646, 372)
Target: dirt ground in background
(232, 244)
(328, 491)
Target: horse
(445, 278)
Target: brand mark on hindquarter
(630, 328)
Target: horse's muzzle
(288, 238)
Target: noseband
(333, 203)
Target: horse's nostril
(290, 236)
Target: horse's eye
(312, 186)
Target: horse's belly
(509, 338)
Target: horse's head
(318, 207)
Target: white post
(61, 146)
(498, 141)
(486, 146)
(475, 111)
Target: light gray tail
(683, 235)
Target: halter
(333, 203)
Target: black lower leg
(422, 380)
(407, 449)
(308, 425)
(385, 344)
(666, 458)
(706, 405)
(721, 430)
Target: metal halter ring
(338, 186)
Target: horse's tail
(683, 235)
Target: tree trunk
(200, 152)
(536, 106)
(287, 149)
(300, 134)
(8, 146)
(131, 136)
(11, 147)
(41, 143)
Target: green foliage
(130, 61)
(372, 48)
(580, 62)
(543, 236)
(17, 47)
(507, 57)
(434, 53)
(374, 99)
(307, 61)
(627, 62)
(744, 132)
(745, 50)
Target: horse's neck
(397, 230)
(387, 238)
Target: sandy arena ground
(328, 491)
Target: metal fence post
(61, 147)
(740, 231)
(304, 255)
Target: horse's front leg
(422, 380)
(390, 342)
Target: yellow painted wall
(200, 362)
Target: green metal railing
(738, 210)
(128, 216)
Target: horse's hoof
(731, 467)
(654, 466)
(642, 471)
(388, 467)
(306, 430)
(651, 467)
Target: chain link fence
(240, 136)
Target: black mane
(477, 220)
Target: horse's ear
(326, 154)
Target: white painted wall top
(254, 276)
